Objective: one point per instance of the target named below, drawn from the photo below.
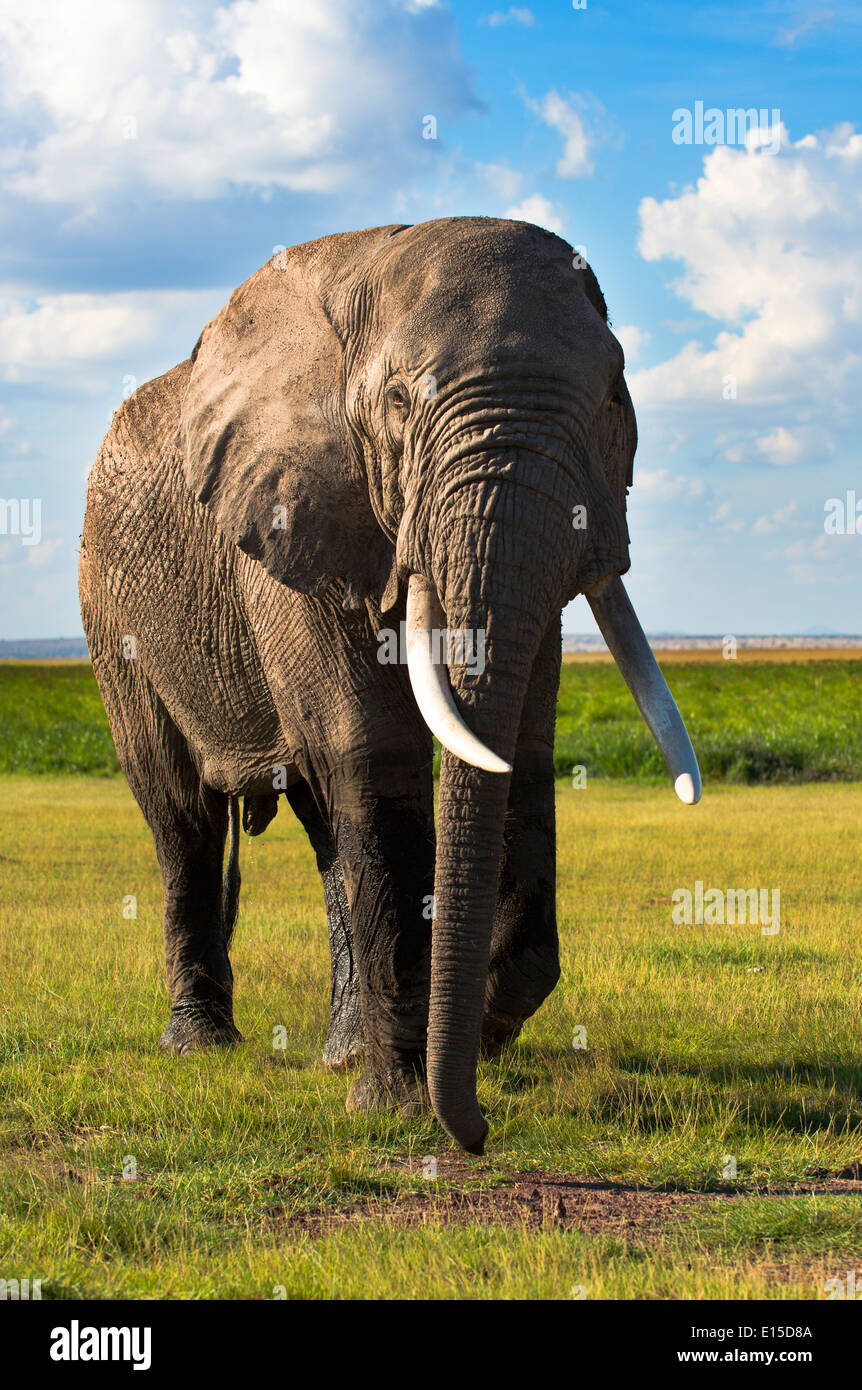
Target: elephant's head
(441, 408)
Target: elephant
(416, 430)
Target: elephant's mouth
(618, 624)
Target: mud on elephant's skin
(427, 425)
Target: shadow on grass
(531, 1059)
(645, 1097)
(347, 1185)
(842, 1074)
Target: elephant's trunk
(472, 811)
(499, 589)
(469, 848)
(501, 569)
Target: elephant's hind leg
(344, 1041)
(189, 823)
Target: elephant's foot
(194, 1026)
(345, 1045)
(400, 1091)
(498, 1031)
(343, 1052)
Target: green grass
(53, 720)
(750, 721)
(702, 1042)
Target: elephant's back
(130, 479)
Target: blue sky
(152, 155)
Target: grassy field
(252, 1180)
(761, 718)
(750, 720)
(53, 720)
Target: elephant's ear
(263, 428)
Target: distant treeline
(75, 648)
(44, 649)
(749, 721)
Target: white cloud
(828, 562)
(724, 517)
(780, 447)
(786, 38)
(41, 555)
(664, 486)
(576, 159)
(769, 245)
(195, 102)
(502, 181)
(775, 521)
(730, 445)
(536, 208)
(511, 16)
(633, 339)
(51, 336)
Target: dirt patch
(539, 1201)
(851, 1174)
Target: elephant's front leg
(344, 1041)
(525, 960)
(344, 1046)
(384, 834)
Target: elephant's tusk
(431, 685)
(618, 624)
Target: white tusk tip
(686, 789)
(495, 764)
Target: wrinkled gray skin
(252, 521)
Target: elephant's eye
(397, 397)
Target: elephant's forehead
(461, 322)
(488, 281)
(475, 241)
(506, 258)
